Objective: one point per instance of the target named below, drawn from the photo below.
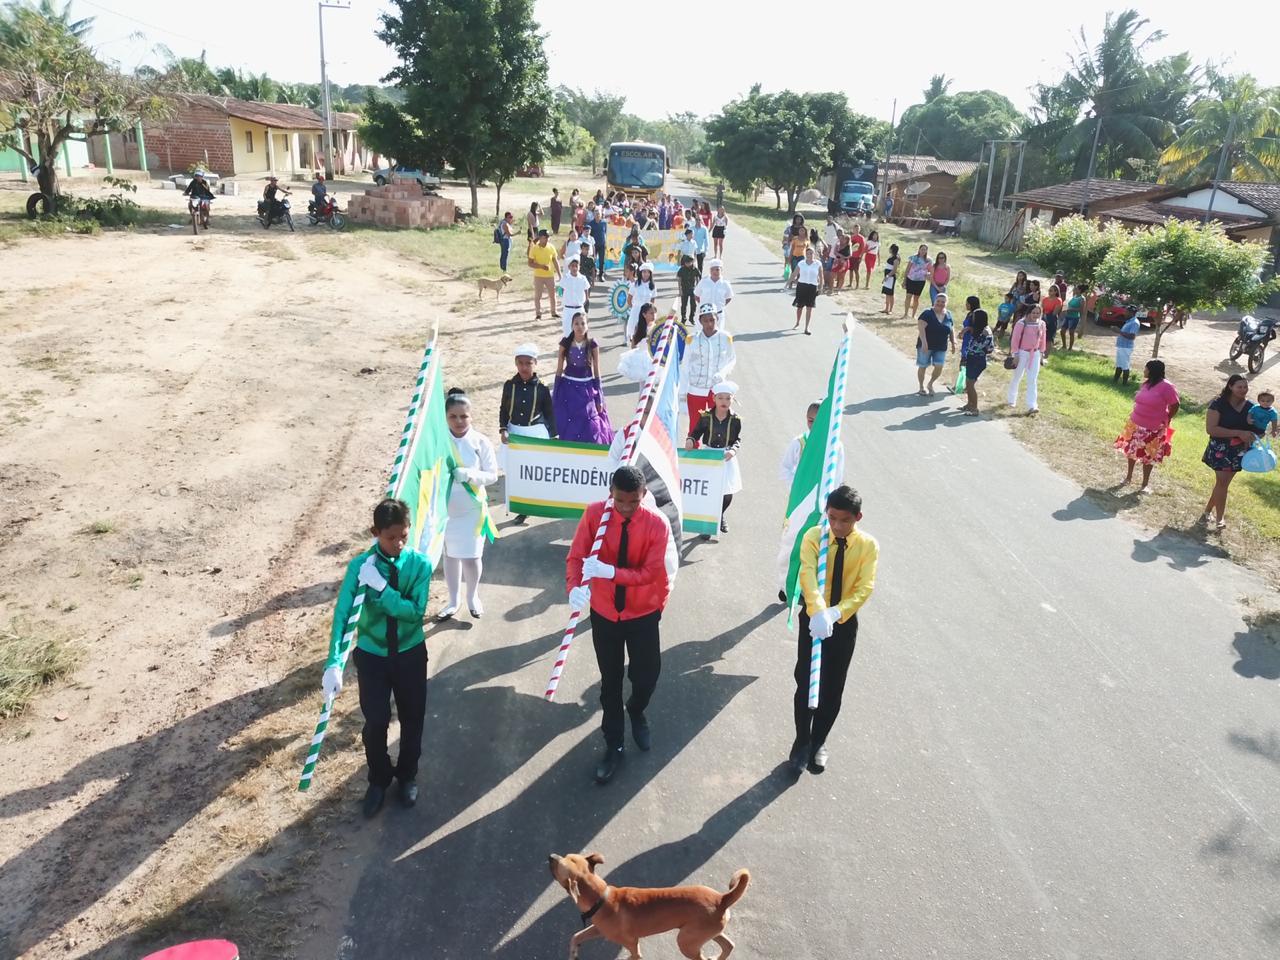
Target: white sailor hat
(527, 350)
(725, 386)
(715, 263)
(707, 308)
(576, 258)
(646, 266)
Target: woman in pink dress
(1146, 436)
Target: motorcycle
(1252, 338)
(326, 212)
(199, 209)
(282, 215)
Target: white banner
(558, 478)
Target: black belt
(572, 306)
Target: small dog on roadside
(496, 286)
(623, 915)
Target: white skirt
(461, 541)
(732, 475)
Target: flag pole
(658, 368)
(825, 487)
(393, 487)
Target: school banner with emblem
(661, 245)
(558, 478)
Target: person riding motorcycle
(274, 207)
(318, 195)
(198, 188)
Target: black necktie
(620, 592)
(393, 628)
(837, 571)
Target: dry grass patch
(31, 657)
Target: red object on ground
(198, 950)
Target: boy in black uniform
(526, 407)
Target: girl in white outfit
(642, 291)
(1027, 344)
(463, 535)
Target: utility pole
(973, 200)
(324, 90)
(1088, 180)
(893, 117)
(1222, 163)
(1004, 177)
(991, 164)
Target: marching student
(721, 429)
(576, 288)
(390, 653)
(832, 616)
(641, 291)
(787, 474)
(526, 408)
(715, 290)
(709, 357)
(626, 587)
(464, 534)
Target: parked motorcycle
(326, 212)
(282, 214)
(1252, 338)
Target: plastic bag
(786, 271)
(1259, 458)
(962, 378)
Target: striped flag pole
(824, 490)
(349, 631)
(657, 372)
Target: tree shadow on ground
(170, 775)
(313, 595)
(486, 734)
(1257, 650)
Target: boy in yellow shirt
(833, 618)
(546, 271)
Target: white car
(425, 180)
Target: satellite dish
(917, 187)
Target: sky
(736, 45)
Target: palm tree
(939, 84)
(1111, 84)
(1240, 114)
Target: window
(248, 141)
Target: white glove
(371, 578)
(580, 597)
(595, 569)
(822, 625)
(331, 684)
(462, 475)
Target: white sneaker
(448, 612)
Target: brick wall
(185, 138)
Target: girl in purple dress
(577, 398)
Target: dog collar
(586, 917)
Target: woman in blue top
(936, 336)
(700, 240)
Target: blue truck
(850, 188)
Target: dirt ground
(184, 423)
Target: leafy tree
(939, 84)
(1234, 109)
(597, 113)
(1113, 86)
(1183, 267)
(467, 67)
(855, 138)
(53, 89)
(1074, 245)
(390, 131)
(955, 126)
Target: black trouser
(812, 726)
(616, 642)
(701, 257)
(688, 305)
(404, 677)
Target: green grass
(463, 251)
(100, 527)
(29, 662)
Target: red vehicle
(1114, 311)
(326, 212)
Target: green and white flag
(427, 472)
(815, 475)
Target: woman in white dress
(464, 535)
(642, 291)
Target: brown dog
(623, 915)
(496, 286)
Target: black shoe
(521, 518)
(640, 732)
(475, 614)
(373, 800)
(799, 754)
(408, 793)
(609, 764)
(724, 527)
(818, 760)
(782, 597)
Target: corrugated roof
(1264, 196)
(280, 116)
(1069, 196)
(1155, 212)
(956, 168)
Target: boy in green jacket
(390, 654)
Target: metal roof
(1069, 196)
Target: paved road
(1059, 739)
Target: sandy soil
(215, 407)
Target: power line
(125, 16)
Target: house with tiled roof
(928, 184)
(237, 137)
(1092, 196)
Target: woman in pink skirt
(1146, 436)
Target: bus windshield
(642, 169)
